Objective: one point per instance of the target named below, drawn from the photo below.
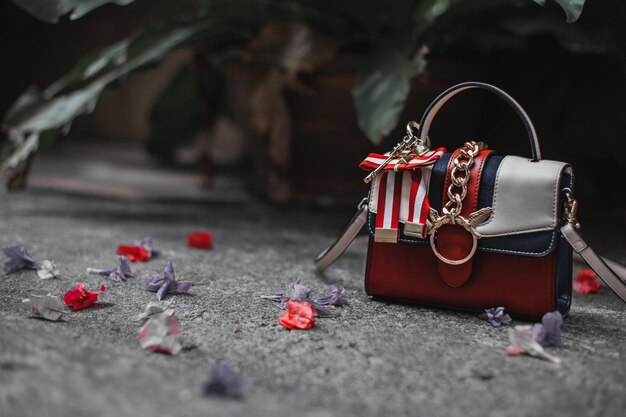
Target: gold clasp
(571, 209)
(409, 145)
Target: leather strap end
(333, 251)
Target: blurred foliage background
(293, 93)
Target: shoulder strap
(613, 276)
(333, 251)
(611, 273)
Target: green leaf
(573, 8)
(37, 112)
(50, 11)
(382, 88)
(384, 77)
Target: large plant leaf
(384, 77)
(383, 86)
(36, 112)
(572, 8)
(50, 11)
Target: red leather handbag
(471, 229)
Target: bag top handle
(436, 105)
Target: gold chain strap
(451, 212)
(460, 176)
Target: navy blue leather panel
(488, 180)
(563, 276)
(437, 179)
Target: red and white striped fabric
(374, 160)
(388, 216)
(400, 194)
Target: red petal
(586, 282)
(75, 293)
(134, 253)
(284, 320)
(79, 298)
(102, 288)
(201, 240)
(84, 303)
(299, 315)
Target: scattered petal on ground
(332, 296)
(47, 270)
(166, 283)
(223, 382)
(522, 343)
(79, 298)
(43, 305)
(299, 315)
(324, 305)
(586, 282)
(548, 332)
(120, 273)
(18, 258)
(497, 317)
(295, 291)
(134, 253)
(157, 307)
(200, 240)
(161, 333)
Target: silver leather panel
(526, 197)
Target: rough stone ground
(375, 359)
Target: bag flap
(526, 198)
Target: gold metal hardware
(408, 146)
(382, 235)
(571, 209)
(414, 229)
(451, 212)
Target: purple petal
(167, 282)
(548, 332)
(322, 310)
(162, 292)
(124, 267)
(117, 276)
(332, 295)
(168, 271)
(180, 286)
(224, 382)
(496, 316)
(297, 291)
(155, 283)
(19, 258)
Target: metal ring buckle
(442, 258)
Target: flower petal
(79, 298)
(586, 282)
(163, 290)
(161, 333)
(45, 306)
(18, 258)
(134, 253)
(200, 240)
(223, 382)
(299, 315)
(548, 332)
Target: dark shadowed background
(570, 77)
